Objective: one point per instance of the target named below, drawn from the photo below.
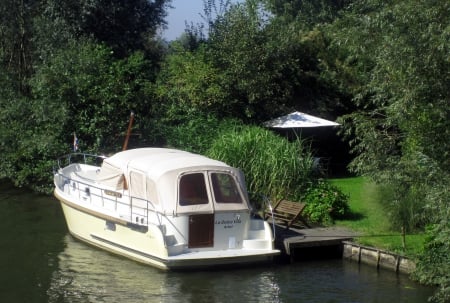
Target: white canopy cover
(298, 120)
(154, 174)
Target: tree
(189, 78)
(69, 66)
(271, 64)
(238, 47)
(93, 88)
(394, 56)
(433, 265)
(252, 67)
(125, 26)
(16, 47)
(309, 12)
(83, 89)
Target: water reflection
(87, 274)
(343, 281)
(31, 228)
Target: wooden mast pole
(130, 124)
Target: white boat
(163, 207)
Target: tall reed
(272, 165)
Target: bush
(194, 131)
(272, 165)
(325, 202)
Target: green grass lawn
(370, 219)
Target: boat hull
(147, 244)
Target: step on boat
(164, 207)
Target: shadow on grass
(353, 216)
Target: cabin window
(193, 190)
(225, 188)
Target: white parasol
(298, 120)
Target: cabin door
(201, 230)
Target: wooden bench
(287, 212)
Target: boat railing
(268, 205)
(133, 209)
(258, 209)
(84, 158)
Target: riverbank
(368, 218)
(336, 242)
(377, 258)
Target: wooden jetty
(293, 234)
(294, 242)
(334, 242)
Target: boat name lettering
(228, 223)
(113, 193)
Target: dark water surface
(41, 262)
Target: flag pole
(130, 124)
(75, 142)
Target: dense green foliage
(381, 66)
(247, 70)
(124, 26)
(196, 132)
(325, 203)
(58, 77)
(433, 266)
(272, 165)
(85, 79)
(401, 128)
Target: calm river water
(41, 262)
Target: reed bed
(272, 165)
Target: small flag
(75, 142)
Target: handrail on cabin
(85, 156)
(76, 185)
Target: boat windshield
(225, 188)
(193, 190)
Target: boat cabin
(175, 182)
